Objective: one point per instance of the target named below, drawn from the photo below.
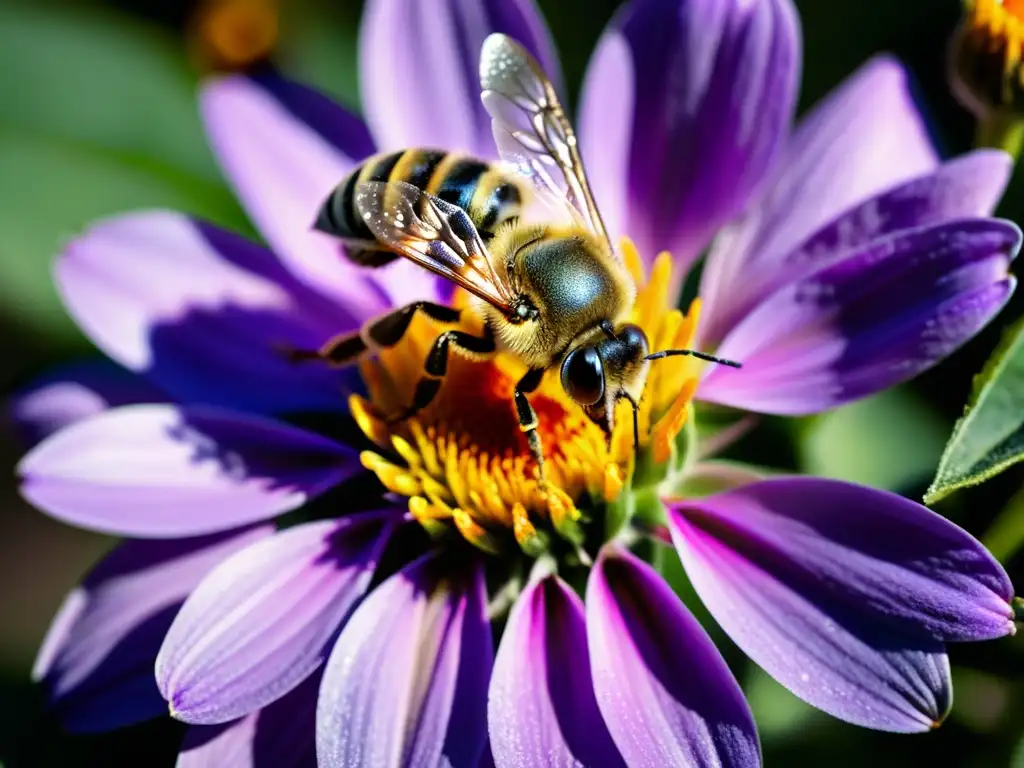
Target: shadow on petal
(163, 471)
(96, 662)
(665, 692)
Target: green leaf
(49, 191)
(1006, 535)
(96, 77)
(889, 440)
(990, 435)
(779, 714)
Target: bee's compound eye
(583, 376)
(634, 339)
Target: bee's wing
(532, 132)
(434, 234)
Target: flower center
(1015, 8)
(464, 463)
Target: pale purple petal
(266, 618)
(406, 684)
(74, 392)
(665, 692)
(281, 735)
(163, 471)
(541, 708)
(844, 594)
(96, 662)
(966, 187)
(685, 108)
(206, 315)
(420, 63)
(864, 138)
(879, 317)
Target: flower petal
(162, 471)
(284, 147)
(281, 735)
(74, 392)
(866, 137)
(96, 662)
(844, 594)
(685, 107)
(406, 684)
(265, 619)
(203, 313)
(665, 692)
(541, 707)
(420, 65)
(966, 187)
(872, 320)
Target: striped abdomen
(488, 194)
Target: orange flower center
(464, 463)
(1015, 7)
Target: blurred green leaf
(990, 436)
(886, 441)
(320, 48)
(1006, 535)
(49, 191)
(779, 714)
(93, 76)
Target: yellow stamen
(527, 536)
(987, 56)
(463, 460)
(475, 534)
(632, 259)
(671, 424)
(613, 482)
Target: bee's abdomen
(488, 194)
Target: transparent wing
(532, 132)
(434, 234)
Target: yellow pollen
(990, 50)
(463, 462)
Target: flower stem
(1001, 130)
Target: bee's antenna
(693, 353)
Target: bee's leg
(389, 330)
(385, 332)
(338, 351)
(528, 417)
(437, 366)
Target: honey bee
(552, 293)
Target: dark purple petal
(966, 187)
(541, 708)
(879, 317)
(284, 147)
(162, 471)
(665, 692)
(866, 137)
(420, 63)
(281, 735)
(844, 594)
(406, 683)
(97, 659)
(206, 315)
(266, 618)
(74, 392)
(685, 107)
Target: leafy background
(97, 115)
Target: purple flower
(848, 259)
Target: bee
(488, 194)
(551, 293)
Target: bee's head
(597, 375)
